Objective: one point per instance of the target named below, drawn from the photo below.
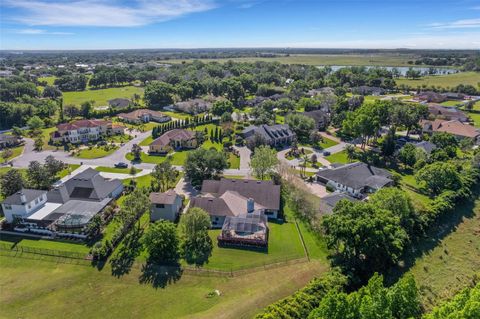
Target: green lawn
(326, 143)
(476, 118)
(115, 170)
(95, 152)
(100, 96)
(147, 141)
(234, 161)
(48, 79)
(22, 241)
(16, 151)
(445, 81)
(122, 138)
(451, 103)
(68, 170)
(340, 157)
(46, 138)
(39, 289)
(178, 115)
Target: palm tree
(350, 149)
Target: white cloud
(40, 32)
(459, 24)
(103, 12)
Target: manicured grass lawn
(68, 170)
(178, 115)
(115, 170)
(16, 151)
(39, 289)
(234, 161)
(46, 138)
(177, 158)
(326, 143)
(146, 141)
(340, 157)
(95, 152)
(451, 103)
(142, 181)
(447, 260)
(45, 244)
(48, 79)
(100, 96)
(118, 138)
(476, 118)
(450, 80)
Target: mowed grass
(450, 80)
(475, 117)
(340, 157)
(20, 241)
(451, 255)
(116, 170)
(16, 151)
(100, 96)
(95, 152)
(38, 289)
(322, 59)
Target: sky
(137, 24)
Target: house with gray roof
(273, 135)
(328, 203)
(7, 140)
(356, 179)
(320, 117)
(165, 205)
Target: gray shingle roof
(357, 175)
(168, 197)
(327, 203)
(30, 194)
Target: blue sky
(117, 24)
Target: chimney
(250, 205)
(23, 198)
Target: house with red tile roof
(81, 131)
(174, 139)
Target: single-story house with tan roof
(176, 139)
(458, 129)
(144, 116)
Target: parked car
(326, 153)
(121, 165)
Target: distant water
(401, 69)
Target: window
(160, 205)
(7, 206)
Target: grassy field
(340, 157)
(448, 258)
(95, 152)
(450, 80)
(37, 289)
(100, 96)
(323, 59)
(44, 244)
(476, 118)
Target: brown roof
(81, 124)
(264, 193)
(449, 113)
(136, 114)
(164, 198)
(173, 135)
(453, 127)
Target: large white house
(23, 204)
(82, 131)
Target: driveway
(245, 154)
(185, 188)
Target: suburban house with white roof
(144, 116)
(82, 131)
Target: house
(356, 179)
(320, 117)
(249, 229)
(144, 116)
(459, 129)
(193, 106)
(447, 113)
(274, 135)
(429, 97)
(320, 91)
(7, 140)
(232, 197)
(67, 207)
(368, 90)
(165, 205)
(454, 96)
(82, 131)
(328, 203)
(119, 103)
(176, 139)
(427, 146)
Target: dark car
(326, 153)
(121, 165)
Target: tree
(53, 166)
(37, 176)
(38, 144)
(204, 164)
(6, 154)
(70, 110)
(365, 237)
(158, 94)
(264, 161)
(17, 132)
(162, 243)
(439, 176)
(86, 109)
(222, 106)
(134, 205)
(51, 92)
(446, 142)
(407, 154)
(388, 143)
(11, 182)
(302, 125)
(196, 245)
(35, 123)
(163, 176)
(136, 152)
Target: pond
(402, 70)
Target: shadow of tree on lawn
(159, 276)
(124, 258)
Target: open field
(100, 96)
(449, 257)
(450, 80)
(38, 289)
(323, 59)
(44, 244)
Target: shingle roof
(453, 127)
(264, 193)
(173, 135)
(167, 198)
(268, 132)
(75, 125)
(119, 102)
(30, 194)
(327, 203)
(137, 114)
(357, 175)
